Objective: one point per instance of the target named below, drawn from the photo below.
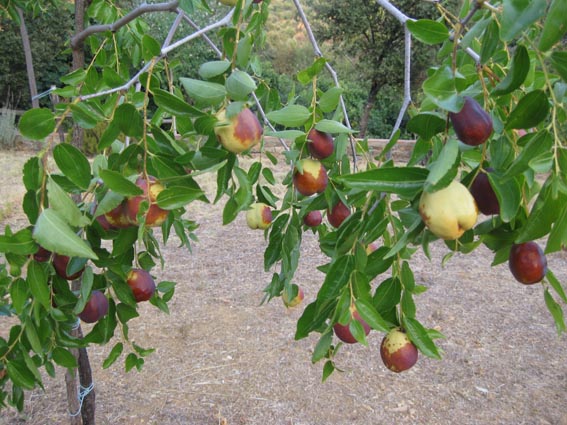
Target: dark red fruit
(527, 263)
(472, 124)
(60, 262)
(338, 214)
(95, 308)
(397, 351)
(484, 194)
(320, 144)
(141, 283)
(313, 218)
(42, 255)
(343, 331)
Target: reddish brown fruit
(95, 308)
(343, 331)
(320, 144)
(141, 283)
(484, 194)
(338, 214)
(397, 351)
(60, 262)
(313, 218)
(42, 255)
(527, 263)
(312, 178)
(117, 218)
(240, 132)
(472, 124)
(155, 215)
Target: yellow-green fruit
(259, 216)
(449, 212)
(240, 132)
(295, 301)
(228, 2)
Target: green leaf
(37, 124)
(85, 116)
(490, 40)
(243, 51)
(150, 47)
(371, 316)
(539, 143)
(37, 281)
(64, 358)
(404, 181)
(177, 196)
(33, 173)
(330, 126)
(60, 201)
(556, 311)
(532, 109)
(290, 116)
(556, 285)
(306, 75)
(173, 104)
(328, 369)
(329, 101)
(20, 375)
(286, 134)
(73, 163)
(119, 184)
(441, 89)
(517, 15)
(555, 25)
(337, 277)
(129, 120)
(33, 339)
(54, 234)
(114, 354)
(19, 243)
(559, 62)
(323, 346)
(204, 92)
(445, 168)
(557, 239)
(419, 336)
(428, 31)
(426, 125)
(509, 196)
(239, 85)
(213, 69)
(517, 73)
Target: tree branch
(79, 38)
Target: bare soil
(222, 358)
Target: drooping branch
(79, 38)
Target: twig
(407, 81)
(79, 38)
(331, 70)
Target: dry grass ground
(222, 358)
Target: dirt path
(221, 358)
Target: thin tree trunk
(368, 106)
(29, 61)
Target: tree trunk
(368, 106)
(29, 61)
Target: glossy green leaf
(33, 173)
(178, 196)
(371, 316)
(37, 124)
(329, 101)
(85, 116)
(239, 85)
(490, 41)
(421, 339)
(64, 358)
(173, 104)
(19, 243)
(306, 75)
(403, 181)
(73, 163)
(290, 116)
(37, 281)
(428, 31)
(539, 143)
(556, 312)
(509, 196)
(114, 354)
(517, 15)
(243, 51)
(328, 369)
(441, 89)
(129, 120)
(426, 125)
(33, 338)
(557, 239)
(323, 346)
(555, 26)
(60, 201)
(337, 277)
(445, 168)
(286, 134)
(150, 47)
(53, 233)
(120, 184)
(559, 62)
(335, 127)
(517, 73)
(213, 69)
(532, 109)
(204, 92)
(20, 375)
